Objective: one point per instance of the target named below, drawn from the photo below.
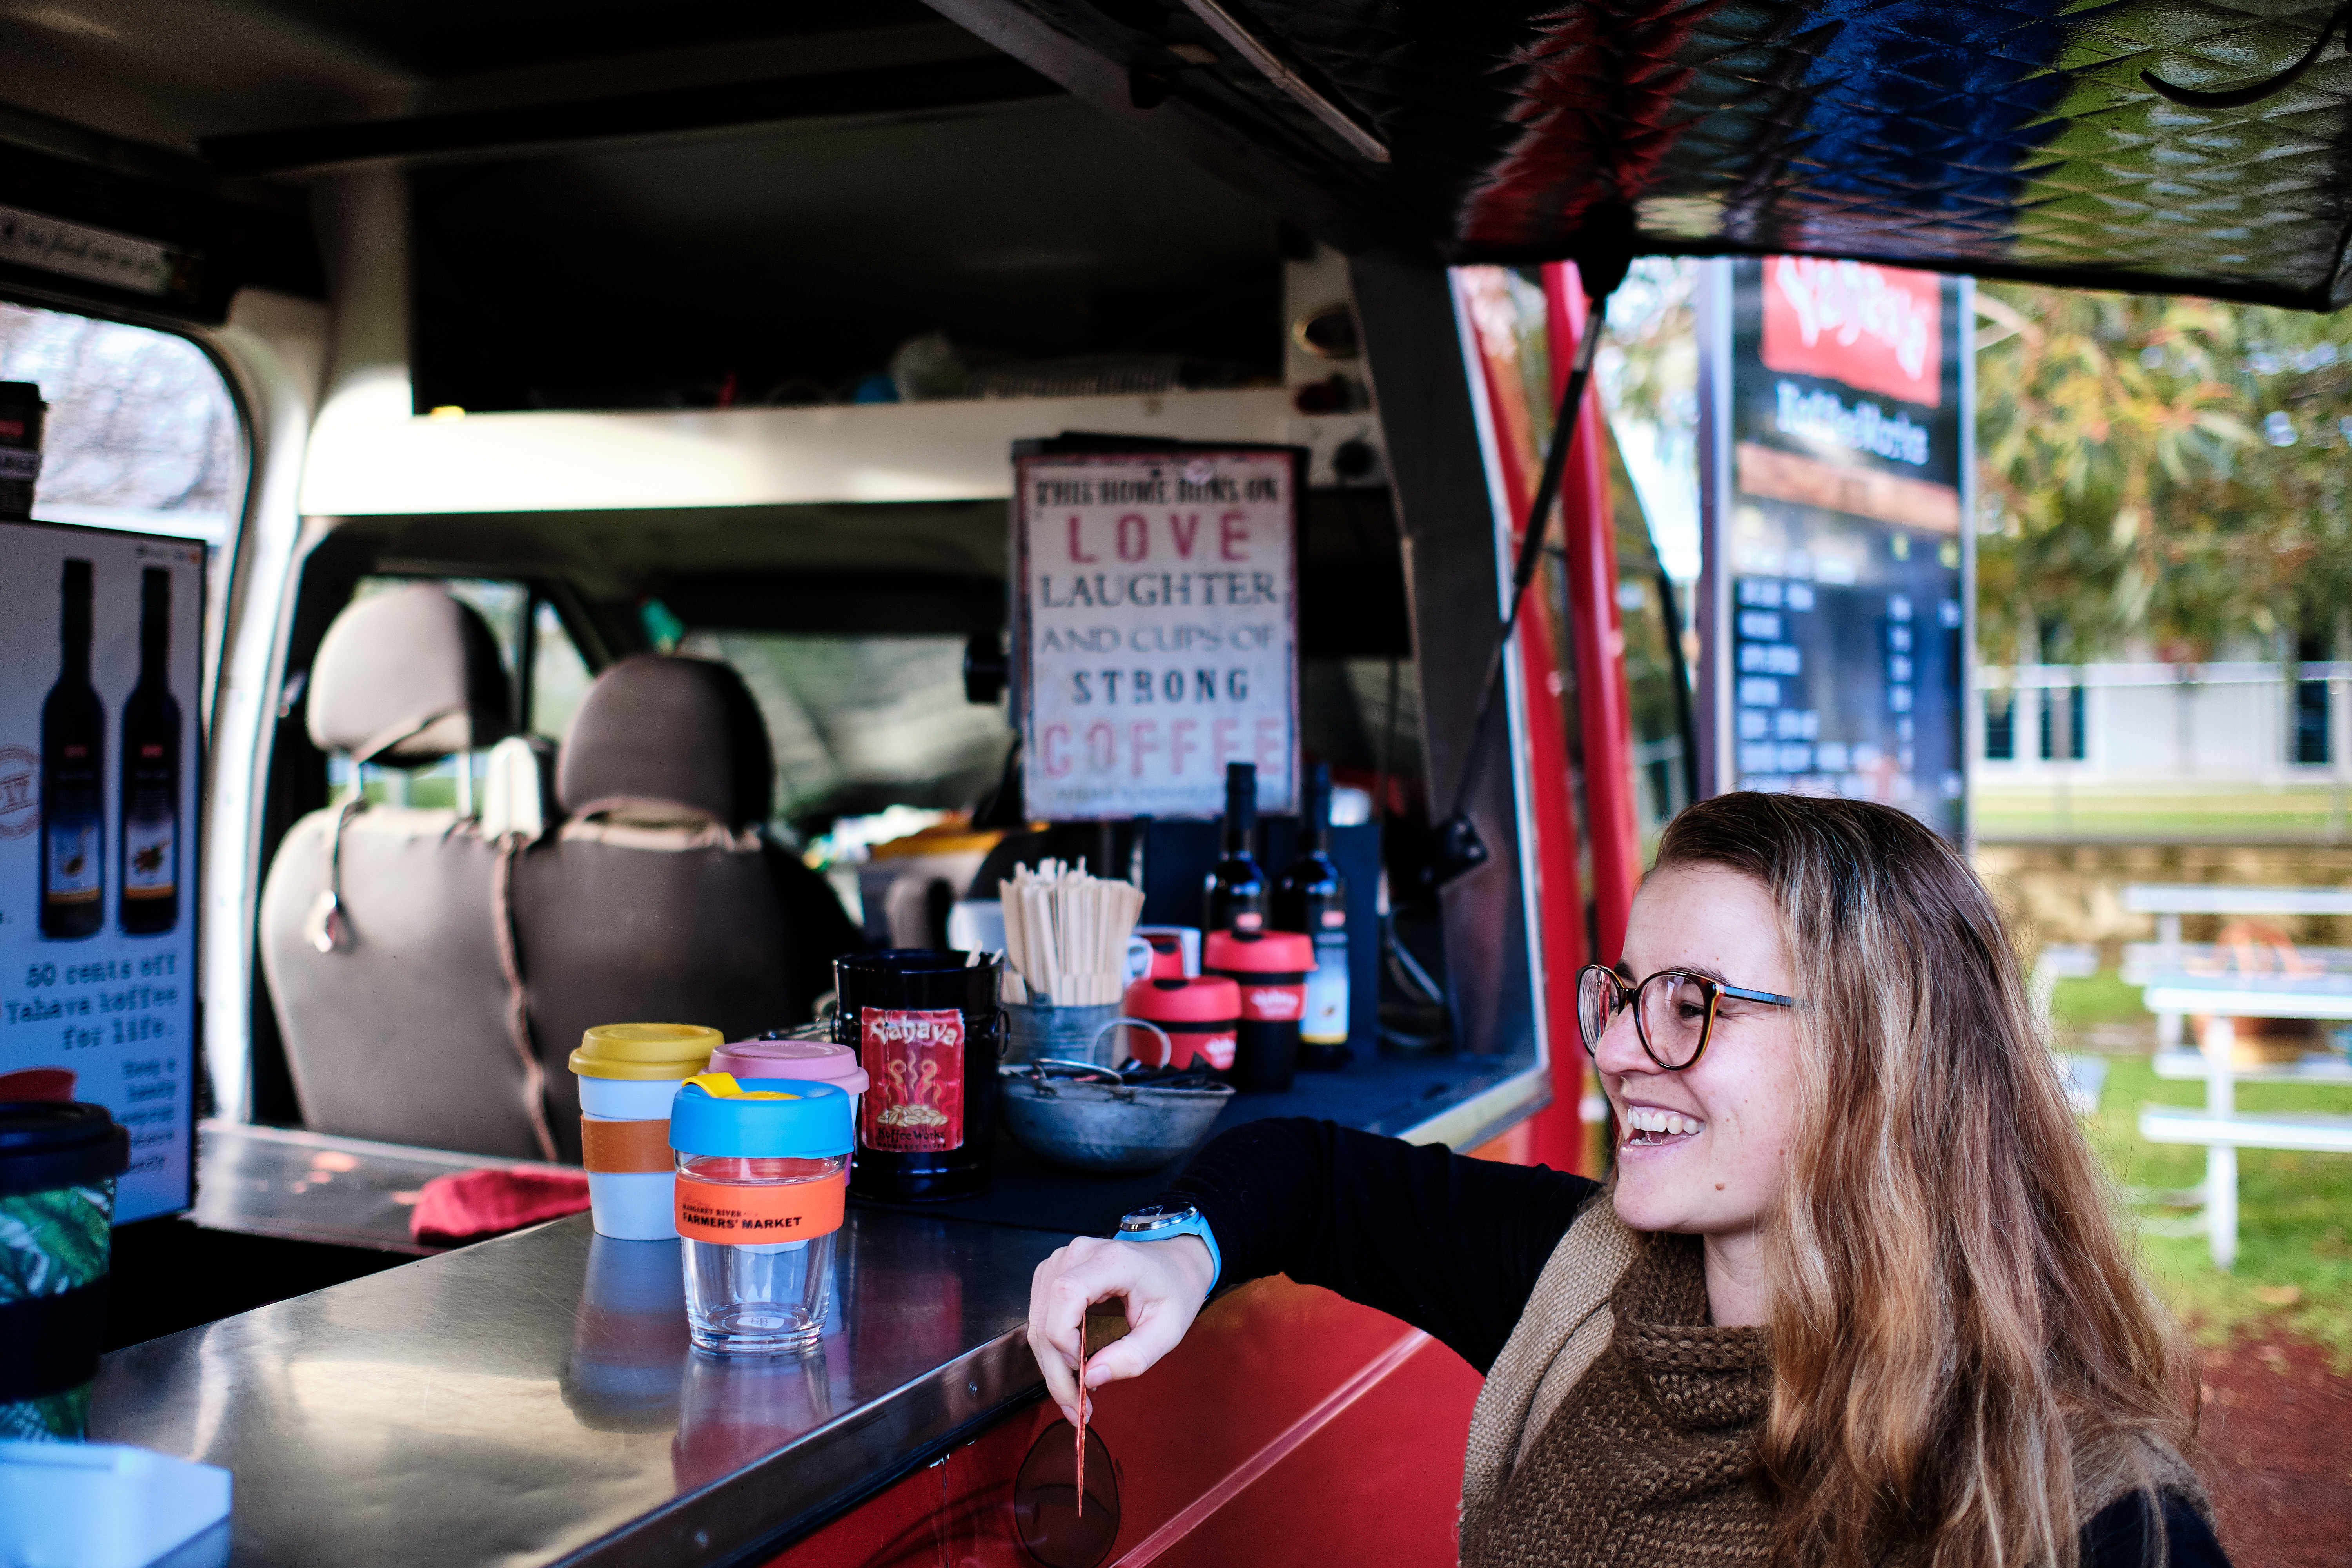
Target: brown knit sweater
(1651, 1459)
(1618, 1428)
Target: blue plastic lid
(766, 1118)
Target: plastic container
(1271, 968)
(1200, 1018)
(929, 1031)
(22, 413)
(762, 1174)
(628, 1075)
(58, 1161)
(817, 1060)
(108, 1505)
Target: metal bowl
(1089, 1119)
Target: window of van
(141, 432)
(860, 723)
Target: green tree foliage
(2158, 469)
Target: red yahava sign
(914, 1059)
(1875, 329)
(1156, 631)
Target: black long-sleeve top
(1453, 1245)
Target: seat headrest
(407, 678)
(669, 731)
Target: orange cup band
(612, 1147)
(788, 1211)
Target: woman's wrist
(1190, 1256)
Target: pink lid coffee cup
(819, 1060)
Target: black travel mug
(58, 1160)
(927, 1029)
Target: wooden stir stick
(1081, 1416)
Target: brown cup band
(618, 1148)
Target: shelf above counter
(936, 451)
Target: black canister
(927, 1029)
(58, 1160)
(21, 416)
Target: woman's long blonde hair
(1953, 1309)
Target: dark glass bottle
(1312, 897)
(149, 900)
(21, 413)
(73, 776)
(1236, 888)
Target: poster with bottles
(1838, 573)
(1155, 634)
(99, 640)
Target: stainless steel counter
(312, 1186)
(533, 1400)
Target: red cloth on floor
(492, 1201)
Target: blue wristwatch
(1161, 1222)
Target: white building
(2247, 722)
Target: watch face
(1154, 1217)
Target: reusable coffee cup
(929, 1031)
(1271, 968)
(21, 414)
(1200, 1018)
(628, 1075)
(819, 1061)
(58, 1162)
(762, 1174)
(37, 1083)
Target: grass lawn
(2015, 811)
(2295, 1211)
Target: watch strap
(1198, 1225)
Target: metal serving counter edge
(533, 1400)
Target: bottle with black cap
(58, 1162)
(1236, 891)
(1310, 896)
(73, 776)
(148, 800)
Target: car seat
(387, 960)
(660, 897)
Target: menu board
(1839, 569)
(1155, 630)
(100, 639)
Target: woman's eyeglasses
(1674, 1011)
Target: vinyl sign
(100, 639)
(1156, 631)
(1839, 567)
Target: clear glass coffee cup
(763, 1173)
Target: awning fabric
(2017, 139)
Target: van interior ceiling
(713, 206)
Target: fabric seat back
(659, 899)
(380, 934)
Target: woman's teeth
(1653, 1126)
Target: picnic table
(2173, 993)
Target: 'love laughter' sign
(1156, 631)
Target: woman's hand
(1165, 1283)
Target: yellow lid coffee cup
(645, 1052)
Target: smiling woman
(1851, 1294)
